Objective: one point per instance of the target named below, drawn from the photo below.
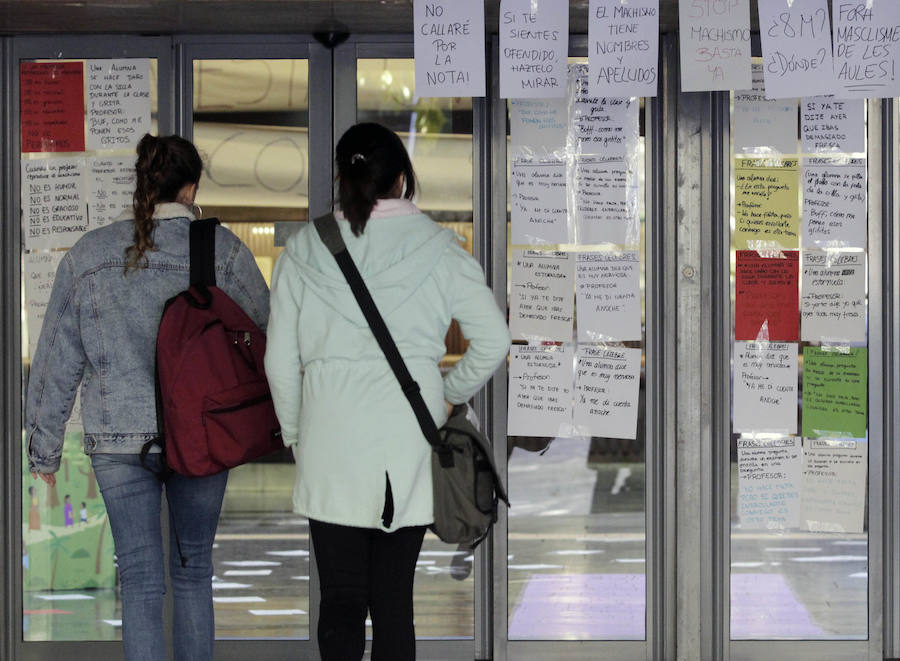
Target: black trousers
(366, 570)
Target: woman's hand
(49, 478)
(449, 407)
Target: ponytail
(164, 166)
(369, 159)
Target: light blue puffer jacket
(339, 404)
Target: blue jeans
(133, 497)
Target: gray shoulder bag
(466, 485)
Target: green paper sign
(835, 395)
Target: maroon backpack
(214, 407)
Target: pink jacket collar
(389, 207)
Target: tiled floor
(576, 564)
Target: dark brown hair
(164, 166)
(369, 159)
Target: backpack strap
(330, 233)
(203, 252)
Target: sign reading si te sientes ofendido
(534, 45)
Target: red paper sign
(766, 297)
(52, 106)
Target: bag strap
(203, 252)
(330, 233)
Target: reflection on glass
(577, 526)
(68, 568)
(799, 540)
(251, 124)
(438, 136)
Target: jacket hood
(395, 254)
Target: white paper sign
(866, 48)
(833, 297)
(607, 387)
(605, 202)
(623, 47)
(769, 478)
(40, 272)
(449, 47)
(715, 45)
(603, 126)
(763, 126)
(830, 125)
(765, 387)
(608, 296)
(538, 128)
(541, 301)
(796, 46)
(110, 188)
(118, 103)
(540, 390)
(53, 204)
(834, 202)
(534, 48)
(537, 198)
(834, 485)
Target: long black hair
(369, 159)
(164, 165)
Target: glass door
(257, 110)
(80, 109)
(578, 565)
(375, 82)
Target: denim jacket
(100, 331)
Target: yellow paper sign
(766, 204)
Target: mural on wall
(67, 544)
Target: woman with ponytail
(100, 332)
(363, 464)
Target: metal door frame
(660, 350)
(245, 47)
(17, 49)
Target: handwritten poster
(833, 304)
(765, 296)
(110, 188)
(449, 47)
(769, 482)
(540, 390)
(534, 47)
(541, 304)
(40, 272)
(608, 296)
(834, 485)
(835, 392)
(118, 103)
(538, 128)
(765, 387)
(715, 45)
(53, 202)
(834, 202)
(766, 204)
(623, 47)
(830, 125)
(605, 201)
(763, 126)
(866, 49)
(796, 46)
(51, 106)
(601, 125)
(607, 387)
(538, 203)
